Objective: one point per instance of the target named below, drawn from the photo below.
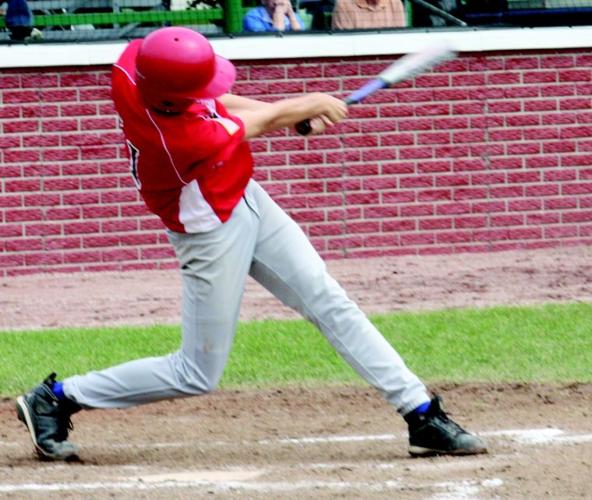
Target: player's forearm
(235, 103)
(288, 112)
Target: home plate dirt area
(318, 442)
(313, 443)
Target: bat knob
(303, 127)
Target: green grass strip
(551, 343)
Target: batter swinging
(190, 159)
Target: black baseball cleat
(434, 433)
(48, 421)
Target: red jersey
(191, 168)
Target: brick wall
(491, 152)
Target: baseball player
(190, 159)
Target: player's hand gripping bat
(403, 69)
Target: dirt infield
(334, 442)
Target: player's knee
(195, 381)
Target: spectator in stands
(423, 17)
(367, 14)
(19, 20)
(273, 15)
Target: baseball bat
(403, 69)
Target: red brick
(435, 224)
(523, 120)
(417, 239)
(305, 71)
(506, 134)
(521, 62)
(560, 203)
(541, 105)
(432, 166)
(398, 196)
(41, 141)
(413, 95)
(62, 243)
(24, 245)
(20, 96)
(452, 180)
(62, 184)
(112, 226)
(78, 109)
(575, 75)
(576, 160)
(558, 91)
(39, 80)
(11, 171)
(104, 152)
(468, 136)
(23, 215)
(542, 161)
(574, 132)
(570, 104)
(539, 77)
(61, 125)
(82, 257)
(503, 78)
(521, 92)
(488, 207)
(268, 72)
(20, 126)
(417, 210)
(10, 261)
(504, 107)
(21, 155)
(451, 237)
(557, 61)
(433, 109)
(542, 219)
(86, 227)
(450, 123)
(524, 205)
(560, 232)
(287, 87)
(559, 147)
(251, 88)
(541, 133)
(103, 123)
(21, 186)
(471, 221)
(303, 216)
(158, 254)
(579, 216)
(43, 229)
(542, 190)
(399, 225)
(58, 95)
(468, 79)
(576, 188)
(63, 213)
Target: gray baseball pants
(261, 240)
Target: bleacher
(94, 20)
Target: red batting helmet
(175, 65)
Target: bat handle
(304, 127)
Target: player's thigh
(285, 262)
(214, 266)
